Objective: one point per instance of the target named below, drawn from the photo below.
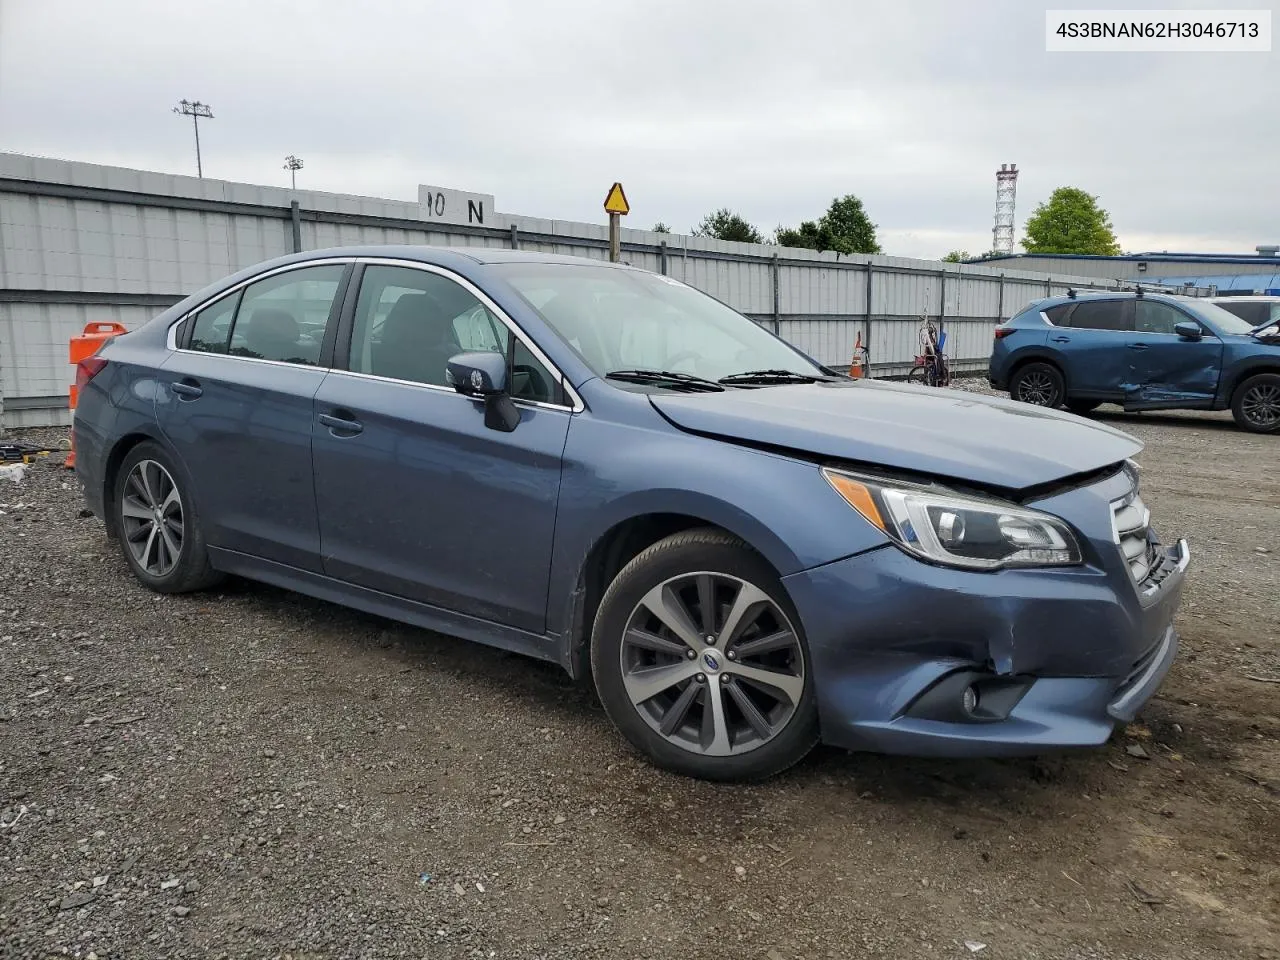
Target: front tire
(1256, 403)
(701, 663)
(159, 529)
(1038, 383)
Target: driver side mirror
(1188, 330)
(483, 375)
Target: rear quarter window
(1060, 316)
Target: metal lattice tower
(1006, 191)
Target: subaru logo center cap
(477, 380)
(710, 661)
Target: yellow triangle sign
(616, 201)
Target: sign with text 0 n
(443, 205)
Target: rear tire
(916, 375)
(1040, 384)
(1256, 403)
(741, 707)
(159, 528)
(1083, 406)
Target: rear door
(1093, 345)
(1169, 370)
(417, 497)
(235, 403)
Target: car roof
(447, 255)
(1082, 297)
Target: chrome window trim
(520, 402)
(576, 405)
(171, 338)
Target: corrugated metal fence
(80, 242)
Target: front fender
(615, 472)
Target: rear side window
(284, 317)
(1058, 315)
(211, 331)
(1103, 315)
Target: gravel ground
(249, 773)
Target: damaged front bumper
(1051, 658)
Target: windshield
(1224, 321)
(629, 320)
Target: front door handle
(1137, 346)
(338, 425)
(187, 389)
(1061, 339)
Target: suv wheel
(700, 661)
(159, 530)
(1256, 404)
(1038, 383)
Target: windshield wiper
(665, 378)
(772, 376)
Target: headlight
(957, 530)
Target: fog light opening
(970, 700)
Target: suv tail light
(1002, 332)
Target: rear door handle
(1137, 346)
(341, 424)
(1061, 339)
(187, 389)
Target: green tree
(660, 227)
(956, 256)
(844, 228)
(724, 224)
(1070, 222)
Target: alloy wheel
(712, 664)
(151, 518)
(1261, 405)
(1037, 388)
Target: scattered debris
(1137, 750)
(1072, 879)
(22, 810)
(124, 720)
(101, 881)
(457, 888)
(76, 900)
(181, 912)
(13, 471)
(1143, 896)
(1257, 679)
(740, 871)
(1118, 766)
(170, 883)
(480, 886)
(424, 879)
(974, 946)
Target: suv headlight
(956, 530)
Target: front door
(416, 496)
(235, 402)
(1169, 370)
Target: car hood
(945, 433)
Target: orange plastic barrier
(82, 348)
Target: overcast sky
(771, 108)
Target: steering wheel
(683, 355)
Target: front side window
(627, 320)
(284, 317)
(1103, 315)
(1153, 317)
(409, 323)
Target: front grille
(1131, 524)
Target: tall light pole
(293, 165)
(195, 110)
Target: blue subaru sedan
(604, 468)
